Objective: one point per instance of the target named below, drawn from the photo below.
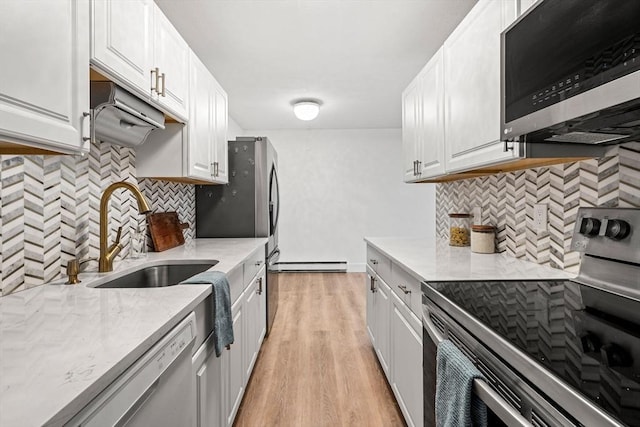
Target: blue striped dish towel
(221, 309)
(456, 404)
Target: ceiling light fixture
(306, 110)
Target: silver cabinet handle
(215, 169)
(414, 168)
(259, 290)
(404, 289)
(373, 284)
(155, 83)
(164, 85)
(87, 117)
(418, 163)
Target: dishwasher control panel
(172, 349)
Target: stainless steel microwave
(571, 73)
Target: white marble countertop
(60, 345)
(431, 260)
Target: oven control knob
(590, 343)
(590, 226)
(614, 356)
(617, 229)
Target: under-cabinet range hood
(120, 117)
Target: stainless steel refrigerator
(248, 206)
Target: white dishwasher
(155, 391)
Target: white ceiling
(354, 56)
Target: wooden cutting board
(166, 230)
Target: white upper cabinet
(195, 152)
(134, 44)
(423, 123)
(411, 104)
(171, 57)
(221, 154)
(431, 158)
(121, 42)
(44, 76)
(472, 87)
(201, 144)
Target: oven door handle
(434, 334)
(498, 405)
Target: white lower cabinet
(207, 376)
(232, 363)
(256, 308)
(406, 361)
(220, 382)
(380, 310)
(395, 331)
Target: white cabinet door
(201, 126)
(261, 323)
(208, 380)
(254, 324)
(411, 132)
(371, 286)
(221, 153)
(431, 151)
(233, 365)
(382, 310)
(472, 87)
(121, 41)
(406, 361)
(44, 76)
(171, 56)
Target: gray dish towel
(456, 404)
(221, 309)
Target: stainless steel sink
(158, 276)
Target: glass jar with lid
(459, 225)
(483, 239)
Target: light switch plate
(540, 217)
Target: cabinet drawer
(407, 287)
(236, 283)
(252, 266)
(380, 263)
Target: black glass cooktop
(574, 330)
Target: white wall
(233, 130)
(338, 186)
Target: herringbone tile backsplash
(507, 201)
(49, 210)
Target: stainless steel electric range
(554, 353)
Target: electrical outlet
(540, 217)
(477, 215)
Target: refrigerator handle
(273, 257)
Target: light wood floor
(317, 367)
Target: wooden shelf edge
(503, 168)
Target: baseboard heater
(313, 267)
